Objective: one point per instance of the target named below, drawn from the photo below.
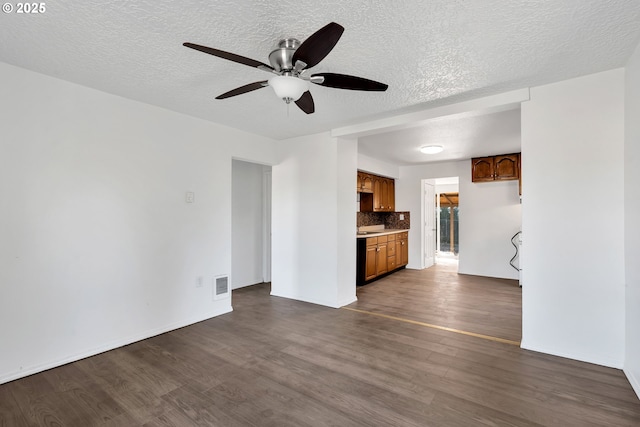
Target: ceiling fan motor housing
(281, 58)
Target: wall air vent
(221, 287)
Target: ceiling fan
(290, 61)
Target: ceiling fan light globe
(288, 88)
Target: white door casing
(429, 224)
(266, 229)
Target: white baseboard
(594, 359)
(14, 375)
(634, 381)
(332, 304)
(347, 301)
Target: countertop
(364, 235)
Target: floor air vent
(221, 287)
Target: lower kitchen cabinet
(402, 248)
(391, 252)
(382, 265)
(381, 255)
(370, 261)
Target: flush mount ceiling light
(431, 149)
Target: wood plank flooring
(441, 296)
(278, 362)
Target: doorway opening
(448, 230)
(250, 224)
(447, 218)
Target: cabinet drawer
(404, 235)
(391, 238)
(391, 263)
(382, 239)
(391, 250)
(372, 241)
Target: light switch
(190, 197)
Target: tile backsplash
(389, 219)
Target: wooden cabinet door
(482, 169)
(371, 258)
(391, 201)
(507, 167)
(384, 195)
(365, 183)
(403, 250)
(382, 259)
(377, 194)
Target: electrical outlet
(401, 217)
(190, 197)
(199, 281)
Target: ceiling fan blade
(343, 81)
(306, 103)
(229, 56)
(318, 45)
(243, 89)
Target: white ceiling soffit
(430, 53)
(463, 136)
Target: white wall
(309, 215)
(247, 223)
(447, 188)
(573, 265)
(378, 167)
(347, 251)
(98, 247)
(631, 214)
(409, 198)
(489, 215)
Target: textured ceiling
(462, 136)
(430, 52)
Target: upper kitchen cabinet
(365, 183)
(495, 168)
(384, 194)
(377, 193)
(507, 167)
(482, 169)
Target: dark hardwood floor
(278, 362)
(441, 296)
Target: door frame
(266, 225)
(428, 205)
